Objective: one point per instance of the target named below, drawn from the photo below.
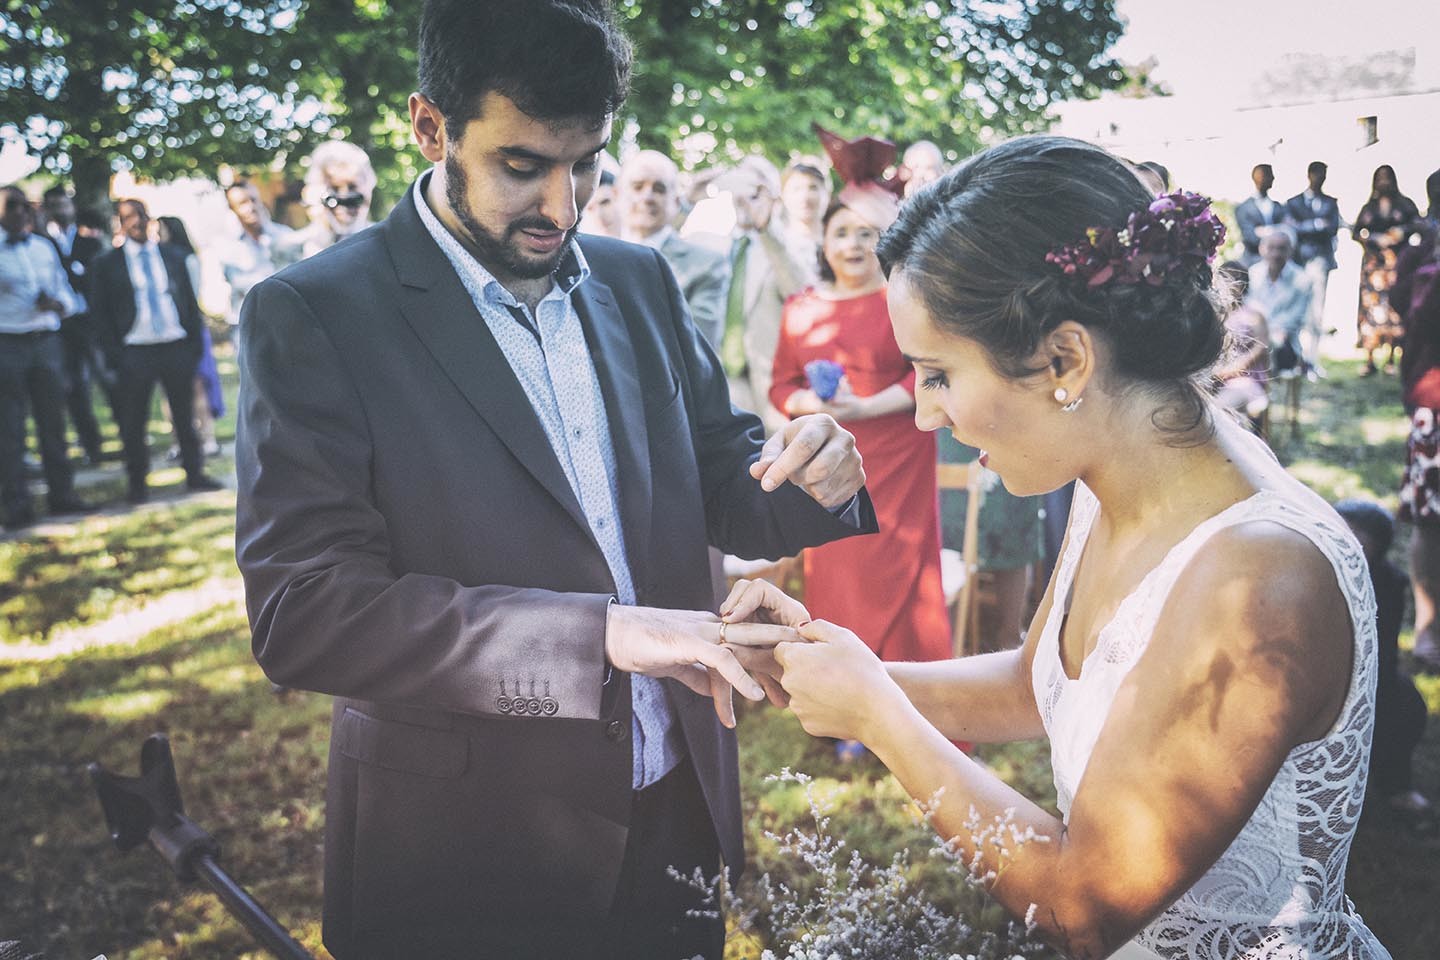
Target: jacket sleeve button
(615, 730)
(549, 706)
(502, 704)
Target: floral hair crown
(1177, 231)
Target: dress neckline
(1077, 552)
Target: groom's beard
(501, 252)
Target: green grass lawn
(252, 761)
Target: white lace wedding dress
(1277, 893)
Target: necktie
(152, 291)
(732, 344)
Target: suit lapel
(616, 369)
(438, 309)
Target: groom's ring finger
(759, 635)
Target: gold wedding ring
(723, 625)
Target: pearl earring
(1061, 395)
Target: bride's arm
(1243, 666)
(984, 699)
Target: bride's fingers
(761, 599)
(745, 598)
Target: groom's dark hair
(553, 60)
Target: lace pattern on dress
(1277, 892)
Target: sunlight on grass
(1331, 481)
(1384, 429)
(122, 706)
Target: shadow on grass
(251, 768)
(104, 563)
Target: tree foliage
(170, 87)
(177, 87)
(755, 74)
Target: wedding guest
(602, 214)
(805, 194)
(1382, 227)
(1400, 712)
(508, 448)
(843, 320)
(1280, 292)
(248, 255)
(339, 186)
(1315, 216)
(1011, 539)
(649, 199)
(35, 297)
(765, 271)
(77, 248)
(924, 163)
(1242, 377)
(1257, 215)
(1416, 297)
(148, 320)
(209, 396)
(1204, 664)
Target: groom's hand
(684, 644)
(817, 455)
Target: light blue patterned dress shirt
(550, 358)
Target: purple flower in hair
(1174, 232)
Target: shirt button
(599, 521)
(615, 730)
(578, 433)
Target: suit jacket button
(502, 704)
(532, 706)
(615, 730)
(549, 706)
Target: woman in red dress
(885, 586)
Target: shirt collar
(133, 249)
(570, 272)
(657, 239)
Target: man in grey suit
(1259, 214)
(649, 194)
(480, 460)
(764, 272)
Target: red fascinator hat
(861, 164)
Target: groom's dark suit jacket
(410, 545)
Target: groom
(480, 463)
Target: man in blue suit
(1316, 218)
(1258, 214)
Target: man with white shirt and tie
(1259, 214)
(148, 320)
(34, 296)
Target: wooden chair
(968, 477)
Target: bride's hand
(760, 601)
(758, 615)
(836, 684)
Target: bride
(1203, 662)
